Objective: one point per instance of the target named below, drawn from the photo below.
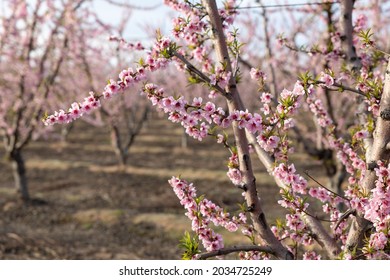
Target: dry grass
(95, 210)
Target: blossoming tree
(205, 45)
(33, 46)
(41, 44)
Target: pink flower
(266, 97)
(294, 222)
(213, 94)
(361, 134)
(107, 94)
(220, 138)
(75, 111)
(378, 240)
(213, 79)
(258, 75)
(232, 227)
(327, 79)
(360, 23)
(61, 117)
(311, 255)
(273, 142)
(235, 176)
(111, 89)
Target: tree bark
(65, 130)
(184, 139)
(117, 144)
(347, 34)
(19, 173)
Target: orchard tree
(43, 44)
(125, 119)
(34, 41)
(206, 46)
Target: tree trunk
(122, 157)
(19, 173)
(184, 139)
(117, 145)
(65, 130)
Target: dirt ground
(88, 208)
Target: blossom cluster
(311, 255)
(258, 75)
(75, 111)
(228, 13)
(127, 77)
(326, 79)
(220, 77)
(377, 208)
(234, 172)
(197, 117)
(295, 229)
(319, 111)
(201, 212)
(287, 174)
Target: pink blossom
(235, 176)
(197, 101)
(311, 255)
(266, 97)
(232, 227)
(268, 144)
(213, 94)
(258, 75)
(378, 240)
(327, 79)
(294, 222)
(220, 138)
(361, 134)
(61, 116)
(360, 23)
(75, 111)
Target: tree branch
(322, 186)
(234, 103)
(236, 248)
(377, 151)
(322, 237)
(347, 34)
(344, 88)
(344, 216)
(192, 69)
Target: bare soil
(86, 207)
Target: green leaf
(190, 246)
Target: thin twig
(130, 6)
(336, 194)
(192, 69)
(344, 88)
(283, 5)
(316, 217)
